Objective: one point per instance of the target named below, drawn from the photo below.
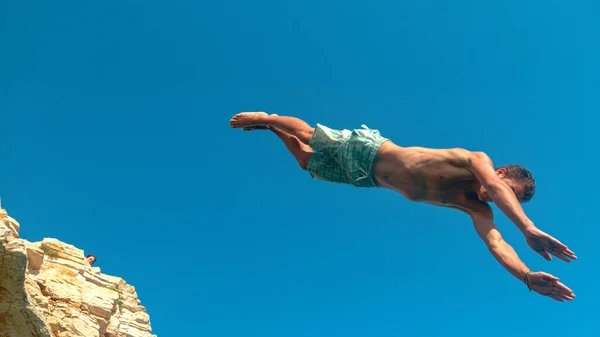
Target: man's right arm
(501, 250)
(540, 282)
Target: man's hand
(545, 245)
(548, 285)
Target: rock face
(48, 289)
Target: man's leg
(322, 166)
(299, 150)
(290, 125)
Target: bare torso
(435, 176)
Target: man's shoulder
(472, 158)
(465, 158)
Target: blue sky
(115, 138)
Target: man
(454, 178)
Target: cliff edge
(48, 289)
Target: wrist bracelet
(527, 280)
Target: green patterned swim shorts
(344, 156)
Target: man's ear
(501, 172)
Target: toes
(235, 122)
(245, 119)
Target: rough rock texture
(48, 289)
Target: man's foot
(258, 127)
(248, 119)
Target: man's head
(518, 178)
(90, 259)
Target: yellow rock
(47, 289)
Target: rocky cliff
(48, 289)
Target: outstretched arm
(504, 197)
(501, 250)
(542, 283)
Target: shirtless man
(455, 178)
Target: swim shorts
(344, 156)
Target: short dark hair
(95, 259)
(521, 174)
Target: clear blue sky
(115, 138)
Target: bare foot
(258, 127)
(247, 119)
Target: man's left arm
(504, 197)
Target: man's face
(91, 259)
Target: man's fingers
(568, 297)
(568, 257)
(559, 246)
(558, 252)
(563, 288)
(562, 253)
(565, 295)
(556, 298)
(545, 254)
(561, 256)
(569, 253)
